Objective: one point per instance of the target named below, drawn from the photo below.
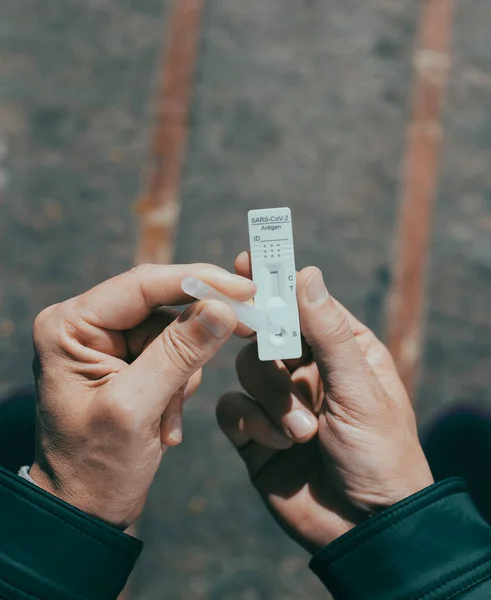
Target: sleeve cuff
(24, 474)
(49, 549)
(433, 544)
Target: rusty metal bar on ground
(158, 208)
(406, 303)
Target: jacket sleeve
(431, 546)
(50, 550)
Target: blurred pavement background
(311, 104)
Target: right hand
(112, 373)
(329, 439)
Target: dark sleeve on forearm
(52, 551)
(432, 546)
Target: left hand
(112, 372)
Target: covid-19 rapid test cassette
(274, 315)
(274, 273)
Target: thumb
(347, 377)
(173, 357)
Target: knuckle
(43, 324)
(380, 355)
(342, 411)
(117, 410)
(202, 266)
(67, 327)
(375, 351)
(140, 274)
(337, 327)
(142, 269)
(183, 354)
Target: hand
(330, 439)
(112, 372)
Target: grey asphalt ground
(457, 362)
(301, 104)
(75, 84)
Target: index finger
(243, 264)
(126, 300)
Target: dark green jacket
(52, 551)
(432, 546)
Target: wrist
(82, 499)
(40, 478)
(374, 502)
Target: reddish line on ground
(406, 302)
(158, 208)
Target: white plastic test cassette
(274, 273)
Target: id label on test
(274, 273)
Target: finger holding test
(373, 349)
(377, 356)
(348, 378)
(250, 429)
(243, 265)
(243, 269)
(174, 357)
(138, 340)
(171, 431)
(123, 302)
(271, 385)
(193, 384)
(141, 336)
(245, 332)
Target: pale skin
(328, 439)
(361, 453)
(112, 373)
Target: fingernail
(280, 440)
(212, 320)
(300, 424)
(316, 290)
(175, 427)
